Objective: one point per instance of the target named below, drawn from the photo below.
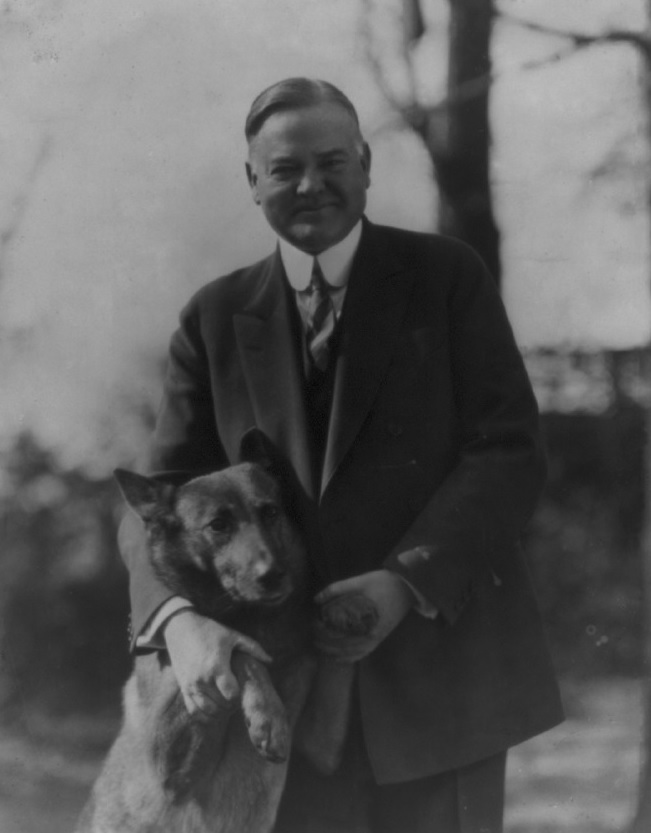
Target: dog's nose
(272, 578)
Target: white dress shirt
(335, 265)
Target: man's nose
(310, 182)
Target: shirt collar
(335, 262)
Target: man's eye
(222, 523)
(283, 171)
(334, 164)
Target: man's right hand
(200, 651)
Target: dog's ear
(256, 447)
(146, 496)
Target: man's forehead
(319, 148)
(322, 124)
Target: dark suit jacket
(432, 468)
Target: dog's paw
(352, 614)
(269, 731)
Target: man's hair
(294, 94)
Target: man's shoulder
(424, 249)
(233, 290)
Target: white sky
(576, 245)
(121, 157)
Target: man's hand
(392, 599)
(200, 651)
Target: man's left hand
(392, 599)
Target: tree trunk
(642, 820)
(458, 134)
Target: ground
(578, 778)
(582, 776)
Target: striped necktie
(320, 317)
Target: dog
(225, 542)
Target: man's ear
(147, 497)
(366, 162)
(253, 182)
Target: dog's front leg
(188, 750)
(323, 726)
(183, 748)
(264, 713)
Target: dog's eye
(222, 523)
(269, 513)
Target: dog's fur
(223, 541)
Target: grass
(578, 778)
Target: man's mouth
(313, 209)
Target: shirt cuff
(151, 636)
(424, 607)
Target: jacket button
(394, 429)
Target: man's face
(309, 170)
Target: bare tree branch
(21, 202)
(560, 55)
(413, 21)
(582, 40)
(415, 114)
(408, 62)
(408, 109)
(469, 89)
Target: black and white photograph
(325, 416)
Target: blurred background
(521, 126)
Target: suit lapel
(270, 361)
(376, 301)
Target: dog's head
(222, 540)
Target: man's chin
(313, 237)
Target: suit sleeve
(472, 521)
(185, 444)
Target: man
(381, 366)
